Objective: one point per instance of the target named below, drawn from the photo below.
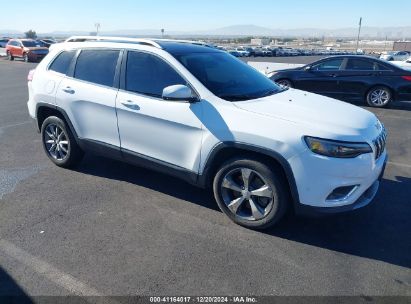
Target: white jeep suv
(202, 115)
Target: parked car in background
(251, 51)
(243, 52)
(199, 114)
(405, 64)
(46, 42)
(234, 53)
(258, 52)
(352, 78)
(395, 56)
(27, 49)
(3, 42)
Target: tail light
(30, 75)
(406, 78)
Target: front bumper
(36, 57)
(364, 200)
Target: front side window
(147, 74)
(97, 66)
(329, 65)
(62, 63)
(227, 77)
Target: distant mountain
(245, 30)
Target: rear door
(322, 78)
(47, 81)
(88, 96)
(358, 76)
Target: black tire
(26, 57)
(10, 56)
(372, 99)
(284, 83)
(263, 175)
(73, 154)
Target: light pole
(359, 32)
(97, 25)
(162, 33)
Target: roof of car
(182, 47)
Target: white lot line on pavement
(56, 276)
(17, 124)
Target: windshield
(28, 43)
(227, 77)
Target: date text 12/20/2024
(204, 299)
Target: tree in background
(31, 34)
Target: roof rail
(184, 41)
(143, 41)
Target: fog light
(342, 193)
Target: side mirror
(178, 92)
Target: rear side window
(147, 74)
(360, 65)
(97, 66)
(62, 62)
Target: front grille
(379, 143)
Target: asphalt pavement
(108, 228)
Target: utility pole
(359, 32)
(97, 25)
(162, 33)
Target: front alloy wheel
(26, 57)
(250, 193)
(10, 56)
(284, 83)
(246, 194)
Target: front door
(169, 132)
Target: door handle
(68, 90)
(130, 104)
(333, 75)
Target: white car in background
(395, 56)
(405, 64)
(243, 52)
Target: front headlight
(334, 148)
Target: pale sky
(191, 15)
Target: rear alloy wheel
(250, 193)
(284, 83)
(59, 144)
(10, 56)
(379, 97)
(26, 57)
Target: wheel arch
(227, 150)
(44, 110)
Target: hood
(326, 115)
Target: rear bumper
(364, 200)
(403, 97)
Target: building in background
(260, 41)
(402, 46)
